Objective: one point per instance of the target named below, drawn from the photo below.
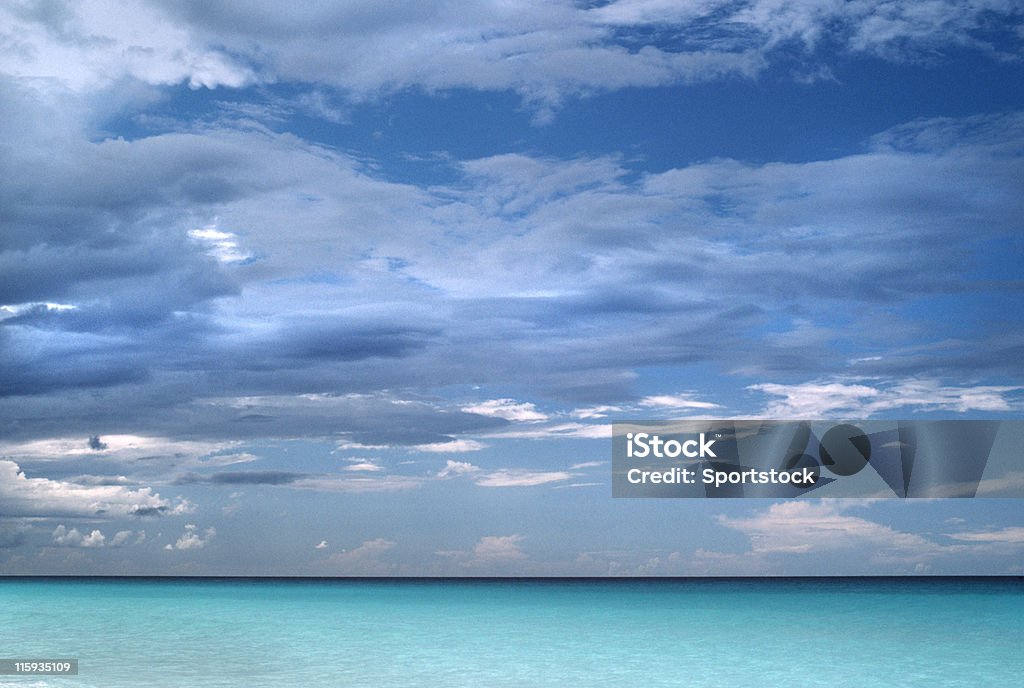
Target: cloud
(668, 401)
(384, 483)
(192, 538)
(562, 264)
(557, 430)
(117, 449)
(242, 478)
(63, 537)
(18, 309)
(493, 555)
(594, 412)
(509, 477)
(452, 468)
(498, 548)
(221, 245)
(365, 466)
(21, 496)
(805, 526)
(509, 409)
(100, 480)
(521, 478)
(72, 538)
(121, 537)
(799, 535)
(190, 277)
(576, 275)
(227, 459)
(1010, 535)
(368, 559)
(899, 30)
(1009, 483)
(549, 51)
(78, 45)
(451, 447)
(318, 482)
(868, 397)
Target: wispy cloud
(1011, 535)
(509, 409)
(368, 559)
(504, 477)
(451, 447)
(866, 397)
(546, 51)
(492, 554)
(798, 536)
(521, 478)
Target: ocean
(727, 633)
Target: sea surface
(735, 633)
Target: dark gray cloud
(308, 343)
(242, 478)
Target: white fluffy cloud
(22, 496)
(72, 538)
(95, 43)
(193, 538)
(65, 537)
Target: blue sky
(358, 290)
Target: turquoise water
(728, 633)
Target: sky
(352, 288)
